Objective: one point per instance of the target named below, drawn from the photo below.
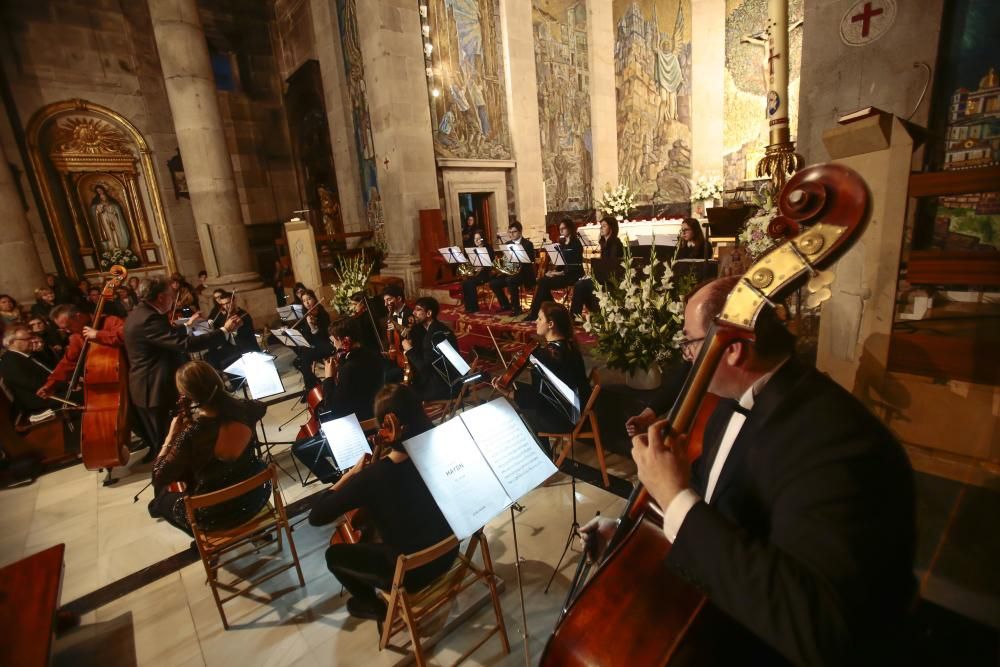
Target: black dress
(190, 458)
(565, 361)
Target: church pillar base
(406, 267)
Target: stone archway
(95, 175)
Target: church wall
(57, 51)
(838, 78)
(563, 76)
(745, 131)
(653, 83)
(294, 40)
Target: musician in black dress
(398, 505)
(353, 373)
(210, 446)
(571, 249)
(561, 354)
(691, 243)
(602, 270)
(315, 328)
(525, 277)
(469, 292)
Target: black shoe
(373, 610)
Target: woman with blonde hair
(210, 446)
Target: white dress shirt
(682, 503)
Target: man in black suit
(430, 385)
(797, 521)
(244, 339)
(399, 316)
(22, 374)
(526, 276)
(156, 349)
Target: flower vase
(644, 378)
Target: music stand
(453, 255)
(258, 377)
(290, 337)
(479, 257)
(291, 313)
(515, 252)
(589, 235)
(555, 253)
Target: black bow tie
(740, 409)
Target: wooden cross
(865, 17)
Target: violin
(314, 398)
(647, 614)
(396, 337)
(349, 531)
(516, 365)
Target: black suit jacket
(527, 272)
(155, 351)
(359, 377)
(23, 377)
(430, 385)
(808, 543)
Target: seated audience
(45, 299)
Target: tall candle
(777, 68)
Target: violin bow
(497, 346)
(371, 318)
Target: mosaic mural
(744, 134)
(365, 145)
(563, 74)
(469, 113)
(653, 85)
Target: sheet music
(453, 255)
(261, 375)
(569, 395)
(458, 477)
(479, 256)
(291, 312)
(453, 357)
(290, 337)
(554, 254)
(346, 440)
(509, 447)
(200, 328)
(516, 253)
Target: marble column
(194, 105)
(392, 51)
(22, 268)
(522, 110)
(708, 63)
(339, 113)
(603, 101)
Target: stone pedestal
(392, 49)
(302, 251)
(522, 110)
(22, 268)
(194, 105)
(603, 104)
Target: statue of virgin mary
(110, 219)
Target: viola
(516, 365)
(349, 532)
(104, 432)
(645, 613)
(396, 337)
(314, 398)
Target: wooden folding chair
(588, 421)
(218, 548)
(410, 609)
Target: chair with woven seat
(219, 548)
(586, 428)
(410, 610)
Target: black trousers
(155, 423)
(583, 295)
(513, 285)
(364, 567)
(469, 294)
(543, 292)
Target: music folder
(346, 440)
(291, 337)
(478, 464)
(291, 313)
(259, 371)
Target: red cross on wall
(865, 17)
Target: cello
(633, 610)
(104, 434)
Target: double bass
(633, 611)
(105, 431)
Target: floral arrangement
(754, 236)
(123, 256)
(641, 317)
(353, 273)
(618, 202)
(706, 187)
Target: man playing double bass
(156, 349)
(797, 520)
(69, 318)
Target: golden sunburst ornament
(90, 136)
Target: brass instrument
(504, 266)
(465, 270)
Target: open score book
(478, 464)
